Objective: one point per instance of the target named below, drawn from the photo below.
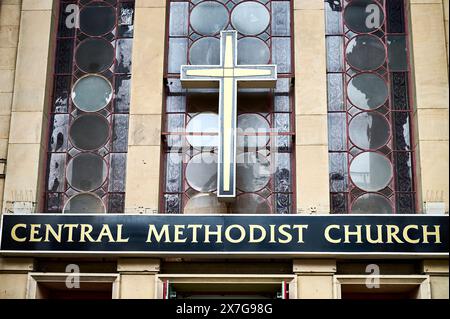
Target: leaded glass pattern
(265, 179)
(90, 108)
(369, 109)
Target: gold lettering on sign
(158, 236)
(262, 236)
(436, 234)
(217, 233)
(14, 233)
(55, 234)
(328, 236)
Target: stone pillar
(9, 36)
(30, 100)
(311, 107)
(429, 61)
(137, 277)
(14, 277)
(314, 278)
(144, 142)
(438, 271)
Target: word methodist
(224, 234)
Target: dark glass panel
(363, 16)
(116, 203)
(54, 202)
(396, 17)
(405, 203)
(64, 54)
(283, 203)
(172, 204)
(94, 55)
(400, 91)
(283, 172)
(401, 131)
(89, 132)
(403, 171)
(97, 19)
(67, 19)
(365, 52)
(397, 53)
(86, 172)
(339, 203)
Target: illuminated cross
(228, 76)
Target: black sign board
(213, 235)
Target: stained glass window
(89, 113)
(369, 109)
(265, 159)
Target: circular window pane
(250, 18)
(372, 204)
(205, 204)
(371, 171)
(252, 172)
(92, 93)
(86, 172)
(205, 51)
(89, 132)
(365, 52)
(252, 124)
(367, 91)
(252, 51)
(369, 130)
(363, 16)
(209, 17)
(203, 123)
(97, 19)
(250, 204)
(94, 55)
(201, 172)
(84, 204)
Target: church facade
(159, 149)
